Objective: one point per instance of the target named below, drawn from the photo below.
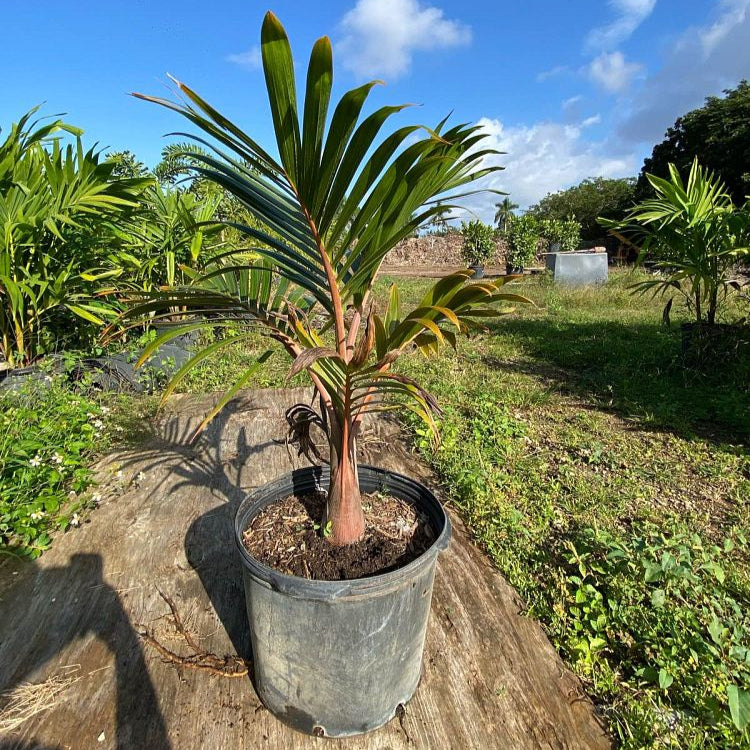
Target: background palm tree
(504, 210)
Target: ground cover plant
(50, 436)
(609, 485)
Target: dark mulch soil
(284, 537)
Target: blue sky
(569, 89)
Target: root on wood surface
(229, 665)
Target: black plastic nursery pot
(337, 658)
(478, 272)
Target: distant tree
(439, 221)
(718, 134)
(503, 213)
(127, 165)
(177, 161)
(587, 201)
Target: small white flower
(118, 428)
(89, 415)
(36, 461)
(48, 378)
(57, 458)
(96, 498)
(75, 402)
(75, 520)
(140, 477)
(98, 424)
(120, 476)
(72, 494)
(105, 410)
(37, 515)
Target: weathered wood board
(491, 678)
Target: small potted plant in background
(478, 245)
(338, 632)
(522, 238)
(562, 235)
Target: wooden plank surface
(491, 678)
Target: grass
(607, 482)
(609, 485)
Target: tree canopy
(718, 134)
(587, 201)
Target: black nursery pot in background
(478, 272)
(337, 658)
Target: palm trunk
(344, 507)
(712, 305)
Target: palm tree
(335, 202)
(696, 236)
(503, 213)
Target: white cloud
(703, 61)
(613, 72)
(250, 60)
(380, 36)
(734, 13)
(593, 120)
(631, 14)
(543, 158)
(572, 102)
(558, 70)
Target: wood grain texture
(491, 678)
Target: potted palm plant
(478, 245)
(334, 653)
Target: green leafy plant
(563, 232)
(695, 236)
(665, 600)
(522, 237)
(56, 207)
(336, 201)
(478, 243)
(48, 434)
(166, 242)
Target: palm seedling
(694, 234)
(56, 204)
(333, 203)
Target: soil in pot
(285, 536)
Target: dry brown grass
(29, 699)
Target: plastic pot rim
(354, 588)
